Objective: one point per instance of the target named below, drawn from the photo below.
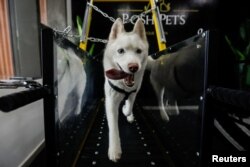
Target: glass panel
(78, 94)
(171, 99)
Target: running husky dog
(125, 59)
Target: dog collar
(120, 90)
(127, 94)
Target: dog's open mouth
(119, 74)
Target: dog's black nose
(133, 67)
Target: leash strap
(127, 94)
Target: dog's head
(126, 52)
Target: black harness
(127, 94)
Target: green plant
(242, 53)
(79, 25)
(79, 28)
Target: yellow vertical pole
(86, 26)
(158, 26)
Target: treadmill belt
(140, 146)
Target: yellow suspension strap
(86, 26)
(158, 26)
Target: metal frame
(50, 101)
(86, 27)
(210, 78)
(158, 26)
(156, 18)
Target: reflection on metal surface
(22, 82)
(228, 136)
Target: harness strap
(127, 94)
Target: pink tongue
(116, 74)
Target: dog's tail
(150, 63)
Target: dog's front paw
(164, 115)
(172, 108)
(114, 154)
(130, 118)
(125, 110)
(174, 111)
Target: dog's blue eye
(138, 51)
(121, 51)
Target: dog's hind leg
(114, 151)
(81, 85)
(80, 91)
(61, 104)
(160, 97)
(128, 108)
(159, 90)
(177, 112)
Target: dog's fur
(123, 50)
(71, 82)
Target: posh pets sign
(165, 16)
(180, 19)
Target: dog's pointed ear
(116, 29)
(140, 29)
